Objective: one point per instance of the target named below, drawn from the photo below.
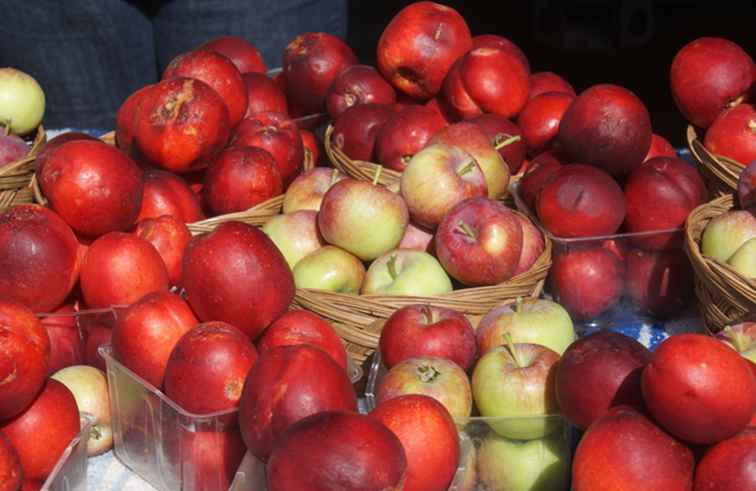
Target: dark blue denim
(89, 55)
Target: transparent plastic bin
(152, 435)
(70, 473)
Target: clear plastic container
(70, 473)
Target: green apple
(295, 234)
(744, 259)
(330, 268)
(742, 338)
(307, 190)
(22, 101)
(536, 465)
(725, 234)
(536, 321)
(513, 386)
(406, 272)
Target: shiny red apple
(169, 237)
(355, 85)
(543, 82)
(733, 134)
(356, 129)
(241, 52)
(404, 134)
(165, 193)
(263, 95)
(539, 119)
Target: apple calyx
(465, 229)
(466, 168)
(502, 140)
(427, 373)
(429, 315)
(512, 349)
(391, 265)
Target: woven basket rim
(21, 166)
(721, 172)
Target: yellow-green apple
(363, 218)
(416, 238)
(330, 268)
(532, 245)
(514, 385)
(479, 242)
(307, 190)
(437, 178)
(742, 338)
(725, 233)
(89, 387)
(542, 464)
(438, 378)
(406, 272)
(537, 321)
(295, 234)
(422, 330)
(744, 259)
(471, 138)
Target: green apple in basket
(742, 338)
(407, 272)
(729, 238)
(330, 268)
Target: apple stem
(377, 174)
(465, 229)
(467, 168)
(736, 101)
(392, 267)
(430, 316)
(752, 124)
(334, 175)
(518, 305)
(502, 140)
(512, 349)
(6, 127)
(427, 373)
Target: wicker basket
(720, 173)
(359, 318)
(724, 297)
(16, 177)
(257, 216)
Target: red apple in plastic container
(94, 187)
(539, 119)
(610, 364)
(66, 342)
(660, 194)
(660, 147)
(581, 201)
(236, 274)
(311, 62)
(420, 44)
(307, 190)
(418, 331)
(724, 73)
(733, 134)
(542, 169)
(406, 133)
(241, 52)
(587, 281)
(43, 430)
(39, 254)
(286, 384)
(659, 282)
(24, 358)
(624, 449)
(166, 193)
(96, 334)
(277, 134)
(728, 464)
(327, 451)
(125, 125)
(439, 378)
(263, 95)
(355, 131)
(506, 137)
(487, 80)
(11, 474)
(209, 459)
(607, 126)
(169, 237)
(355, 85)
(180, 123)
(493, 41)
(747, 186)
(240, 178)
(295, 234)
(543, 82)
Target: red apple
(733, 134)
(356, 129)
(624, 450)
(416, 238)
(418, 331)
(587, 281)
(263, 95)
(406, 133)
(240, 178)
(31, 485)
(355, 85)
(241, 52)
(147, 332)
(39, 257)
(95, 336)
(24, 358)
(723, 74)
(581, 201)
(532, 245)
(286, 384)
(207, 368)
(497, 42)
(542, 169)
(543, 82)
(125, 121)
(303, 327)
(479, 242)
(506, 137)
(119, 269)
(219, 73)
(659, 282)
(311, 145)
(236, 274)
(169, 237)
(660, 194)
(42, 432)
(747, 186)
(277, 134)
(429, 438)
(698, 389)
(660, 147)
(606, 126)
(327, 451)
(66, 342)
(442, 108)
(487, 80)
(57, 141)
(311, 63)
(539, 119)
(94, 187)
(166, 193)
(209, 459)
(307, 190)
(11, 474)
(607, 362)
(180, 123)
(729, 464)
(419, 46)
